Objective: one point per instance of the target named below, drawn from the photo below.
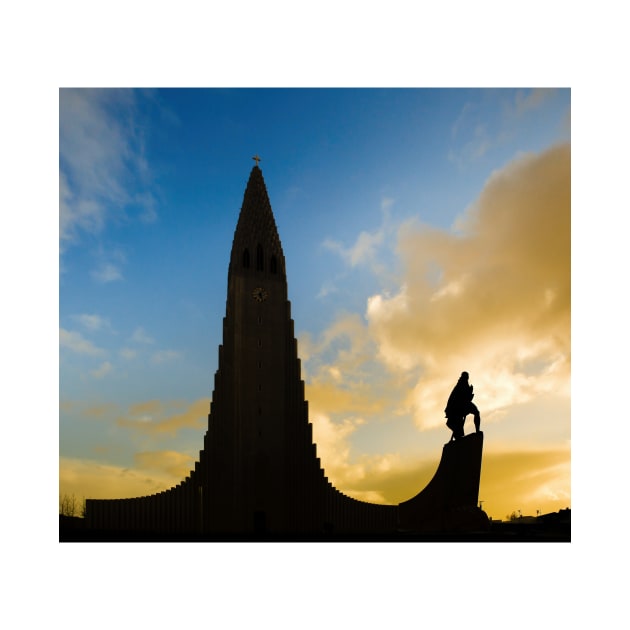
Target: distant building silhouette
(258, 471)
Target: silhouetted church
(258, 470)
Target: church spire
(256, 243)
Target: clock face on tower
(259, 294)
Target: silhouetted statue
(459, 405)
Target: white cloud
(461, 119)
(387, 203)
(109, 265)
(76, 213)
(128, 353)
(92, 148)
(528, 100)
(92, 322)
(369, 244)
(162, 356)
(107, 272)
(75, 342)
(147, 202)
(363, 251)
(102, 370)
(140, 336)
(486, 124)
(103, 172)
(474, 148)
(328, 288)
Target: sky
(425, 231)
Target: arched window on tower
(246, 258)
(273, 265)
(259, 257)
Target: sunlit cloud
(153, 418)
(171, 462)
(494, 299)
(94, 480)
(340, 369)
(153, 407)
(329, 394)
(100, 411)
(334, 450)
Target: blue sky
(386, 201)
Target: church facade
(258, 471)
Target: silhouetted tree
(67, 505)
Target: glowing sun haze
(432, 242)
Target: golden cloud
(330, 397)
(100, 411)
(141, 417)
(149, 407)
(175, 464)
(492, 297)
(332, 446)
(93, 480)
(342, 376)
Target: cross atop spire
(257, 159)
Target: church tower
(262, 470)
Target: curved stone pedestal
(449, 501)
